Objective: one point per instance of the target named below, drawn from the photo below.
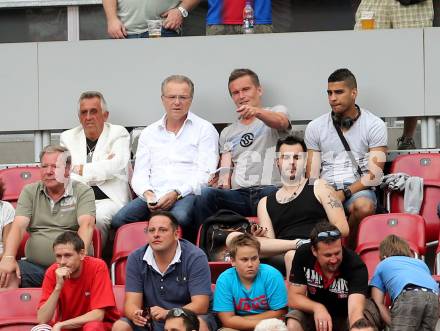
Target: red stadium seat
(96, 240)
(128, 238)
(427, 166)
(119, 293)
(428, 209)
(373, 229)
(18, 308)
(16, 178)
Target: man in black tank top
(287, 216)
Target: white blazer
(109, 169)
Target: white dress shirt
(166, 161)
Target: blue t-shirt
(184, 279)
(268, 292)
(395, 272)
(231, 11)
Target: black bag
(410, 2)
(215, 230)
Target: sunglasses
(335, 234)
(177, 312)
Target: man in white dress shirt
(174, 159)
(100, 157)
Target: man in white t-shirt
(366, 135)
(247, 170)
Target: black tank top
(295, 219)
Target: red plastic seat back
(217, 268)
(96, 240)
(428, 210)
(19, 306)
(373, 229)
(119, 293)
(425, 165)
(16, 178)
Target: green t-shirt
(48, 219)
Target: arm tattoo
(334, 203)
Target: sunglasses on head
(177, 312)
(335, 234)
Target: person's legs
(212, 199)
(105, 210)
(135, 211)
(406, 141)
(124, 324)
(360, 205)
(299, 321)
(183, 210)
(258, 193)
(407, 312)
(97, 326)
(430, 315)
(32, 274)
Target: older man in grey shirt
(129, 18)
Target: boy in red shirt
(77, 292)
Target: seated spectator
(100, 157)
(271, 324)
(7, 213)
(392, 14)
(77, 291)
(226, 17)
(129, 18)
(290, 213)
(408, 281)
(166, 273)
(174, 158)
(363, 325)
(352, 174)
(249, 292)
(181, 319)
(247, 147)
(328, 284)
(46, 209)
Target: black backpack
(215, 230)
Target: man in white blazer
(100, 158)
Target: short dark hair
(243, 240)
(165, 213)
(363, 323)
(238, 73)
(291, 140)
(190, 319)
(2, 189)
(323, 227)
(343, 75)
(70, 237)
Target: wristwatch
(183, 11)
(179, 195)
(347, 193)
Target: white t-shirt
(253, 151)
(7, 214)
(368, 131)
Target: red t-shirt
(91, 290)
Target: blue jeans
(164, 33)
(32, 274)
(137, 210)
(243, 201)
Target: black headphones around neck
(345, 122)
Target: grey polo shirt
(48, 219)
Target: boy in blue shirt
(408, 281)
(249, 292)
